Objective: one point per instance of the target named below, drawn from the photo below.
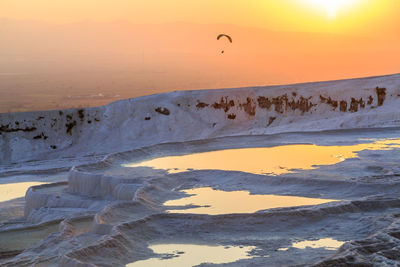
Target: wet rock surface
(107, 215)
(107, 209)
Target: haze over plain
(58, 54)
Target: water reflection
(20, 239)
(186, 255)
(325, 243)
(267, 160)
(215, 202)
(15, 190)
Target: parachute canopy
(224, 35)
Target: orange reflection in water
(325, 243)
(15, 190)
(265, 160)
(186, 255)
(215, 202)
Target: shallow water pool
(265, 160)
(187, 255)
(216, 202)
(15, 190)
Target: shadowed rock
(69, 127)
(202, 105)
(7, 129)
(231, 116)
(381, 92)
(282, 103)
(303, 104)
(370, 100)
(249, 107)
(224, 104)
(81, 114)
(40, 136)
(271, 120)
(355, 104)
(163, 111)
(343, 106)
(329, 101)
(264, 102)
(333, 103)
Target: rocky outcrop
(184, 116)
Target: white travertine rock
(154, 119)
(98, 185)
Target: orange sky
(132, 48)
(357, 16)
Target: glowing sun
(331, 7)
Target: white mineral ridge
(101, 213)
(202, 114)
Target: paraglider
(227, 37)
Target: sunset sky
(132, 47)
(351, 16)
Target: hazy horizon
(87, 53)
